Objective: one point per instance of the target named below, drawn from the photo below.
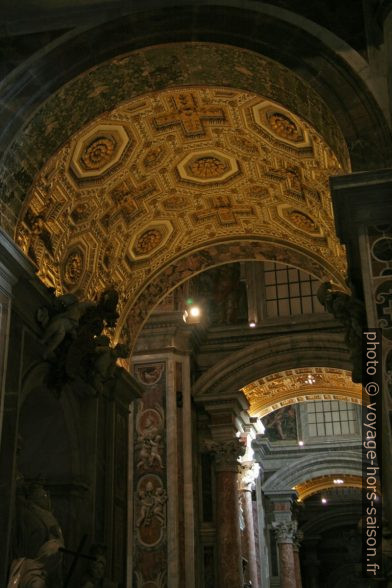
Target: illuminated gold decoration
(322, 483)
(98, 153)
(173, 182)
(189, 115)
(148, 241)
(299, 385)
(284, 127)
(99, 150)
(73, 268)
(303, 221)
(207, 167)
(154, 156)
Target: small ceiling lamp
(310, 379)
(192, 313)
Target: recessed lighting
(324, 500)
(338, 481)
(310, 379)
(252, 324)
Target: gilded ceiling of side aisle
(320, 483)
(299, 385)
(174, 172)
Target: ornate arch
(318, 484)
(314, 466)
(270, 356)
(338, 81)
(280, 389)
(196, 261)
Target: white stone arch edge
(313, 466)
(271, 356)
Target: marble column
(228, 536)
(297, 561)
(285, 533)
(248, 475)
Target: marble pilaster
(228, 536)
(285, 533)
(297, 562)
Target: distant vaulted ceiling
(174, 181)
(300, 385)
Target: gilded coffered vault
(327, 482)
(299, 385)
(170, 183)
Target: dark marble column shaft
(297, 566)
(228, 536)
(250, 537)
(287, 566)
(228, 530)
(285, 533)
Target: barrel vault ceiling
(172, 182)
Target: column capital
(298, 540)
(227, 453)
(249, 472)
(285, 531)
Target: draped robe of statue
(38, 538)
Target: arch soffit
(109, 40)
(267, 17)
(313, 466)
(271, 356)
(299, 385)
(135, 312)
(116, 205)
(318, 484)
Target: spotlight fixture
(192, 313)
(301, 443)
(324, 500)
(252, 324)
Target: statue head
(38, 495)
(149, 488)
